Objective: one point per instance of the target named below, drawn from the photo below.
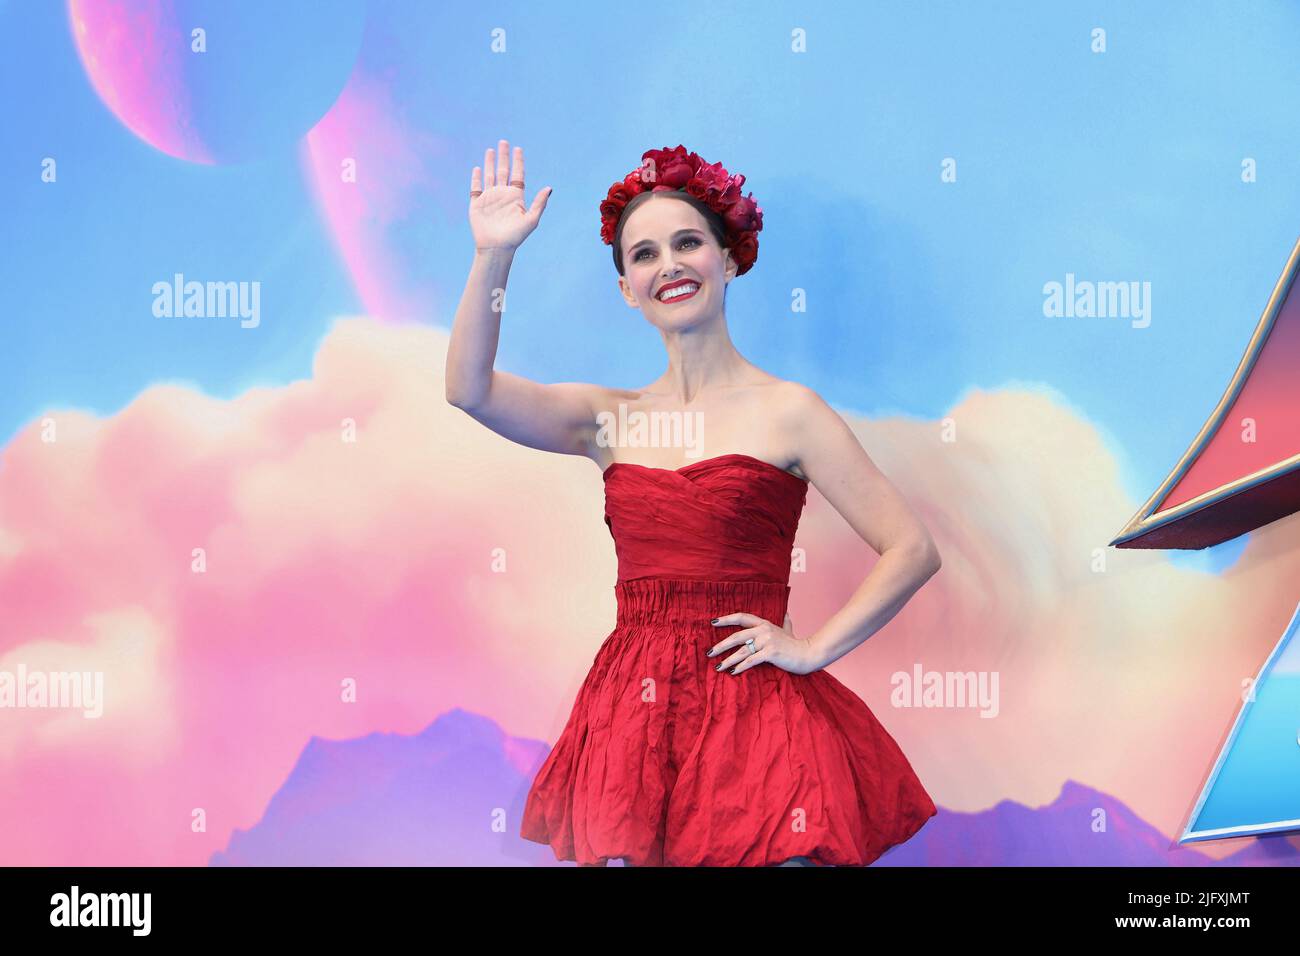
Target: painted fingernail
(718, 668)
(714, 621)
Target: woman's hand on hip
(772, 645)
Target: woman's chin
(679, 316)
(678, 320)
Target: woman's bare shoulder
(788, 398)
(803, 422)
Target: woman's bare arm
(834, 460)
(559, 417)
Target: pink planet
(218, 82)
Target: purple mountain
(453, 795)
(1069, 831)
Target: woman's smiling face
(667, 244)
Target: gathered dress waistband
(690, 601)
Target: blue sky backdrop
(1115, 166)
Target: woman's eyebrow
(643, 242)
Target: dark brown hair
(716, 225)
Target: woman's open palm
(497, 216)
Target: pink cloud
(329, 562)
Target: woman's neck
(700, 363)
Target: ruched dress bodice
(731, 518)
(711, 537)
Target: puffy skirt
(665, 761)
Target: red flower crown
(677, 169)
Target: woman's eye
(637, 257)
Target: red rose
(611, 208)
(713, 177)
(672, 167)
(664, 156)
(618, 193)
(741, 216)
(729, 195)
(698, 188)
(745, 252)
(676, 174)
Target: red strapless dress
(666, 761)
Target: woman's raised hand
(497, 215)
